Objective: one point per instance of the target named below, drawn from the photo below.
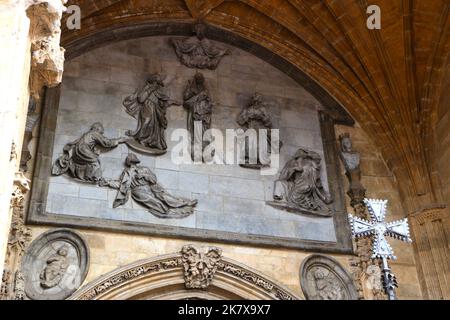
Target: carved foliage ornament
(19, 238)
(323, 278)
(199, 265)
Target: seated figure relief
(80, 158)
(299, 187)
(197, 51)
(141, 184)
(56, 267)
(148, 106)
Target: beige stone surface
(14, 66)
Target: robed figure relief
(141, 184)
(80, 158)
(148, 106)
(199, 106)
(197, 51)
(299, 187)
(256, 116)
(351, 160)
(55, 269)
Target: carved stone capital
(200, 265)
(47, 57)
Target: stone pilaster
(27, 25)
(431, 230)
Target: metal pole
(389, 280)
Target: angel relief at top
(197, 51)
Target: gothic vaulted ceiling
(389, 80)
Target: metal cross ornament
(379, 229)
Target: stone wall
(231, 198)
(113, 250)
(110, 250)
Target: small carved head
(131, 160)
(199, 78)
(200, 30)
(63, 251)
(319, 274)
(155, 79)
(346, 142)
(256, 99)
(98, 127)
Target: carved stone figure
(55, 265)
(80, 158)
(323, 278)
(351, 160)
(19, 286)
(199, 106)
(199, 265)
(47, 57)
(299, 187)
(141, 184)
(19, 237)
(55, 268)
(4, 285)
(373, 287)
(148, 106)
(256, 116)
(327, 286)
(197, 51)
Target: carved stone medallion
(55, 265)
(323, 278)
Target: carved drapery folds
(47, 57)
(19, 238)
(197, 51)
(80, 158)
(200, 265)
(148, 105)
(140, 184)
(256, 116)
(299, 187)
(197, 102)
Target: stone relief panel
(218, 201)
(323, 278)
(55, 265)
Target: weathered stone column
(29, 34)
(431, 230)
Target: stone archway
(162, 277)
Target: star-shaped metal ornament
(379, 228)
